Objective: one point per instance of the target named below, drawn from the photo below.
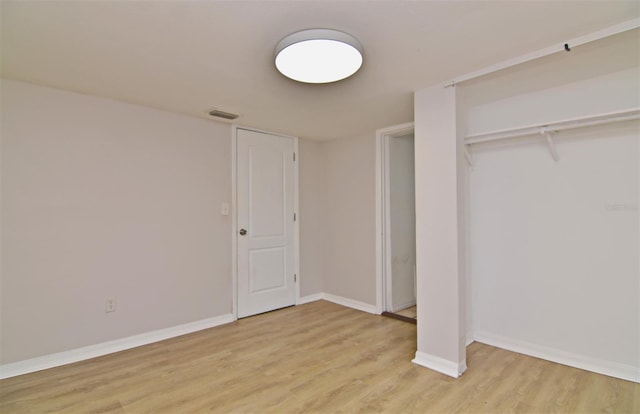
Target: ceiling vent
(222, 114)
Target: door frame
(383, 215)
(234, 214)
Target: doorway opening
(395, 222)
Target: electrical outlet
(110, 305)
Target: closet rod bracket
(467, 155)
(550, 143)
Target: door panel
(267, 269)
(267, 191)
(265, 203)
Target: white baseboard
(443, 366)
(350, 303)
(92, 351)
(309, 298)
(404, 305)
(469, 338)
(600, 366)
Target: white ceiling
(192, 56)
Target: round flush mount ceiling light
(318, 56)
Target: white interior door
(265, 222)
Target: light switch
(224, 209)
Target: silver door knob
(243, 232)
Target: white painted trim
(93, 351)
(234, 213)
(591, 37)
(296, 224)
(379, 225)
(350, 303)
(382, 137)
(339, 300)
(262, 131)
(600, 366)
(404, 305)
(470, 338)
(468, 282)
(310, 298)
(396, 130)
(234, 219)
(443, 366)
(386, 208)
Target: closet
(552, 214)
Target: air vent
(222, 114)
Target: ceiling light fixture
(318, 56)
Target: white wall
(597, 77)
(440, 232)
(106, 199)
(554, 246)
(102, 198)
(403, 221)
(349, 269)
(313, 203)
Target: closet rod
(601, 119)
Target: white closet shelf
(549, 128)
(585, 121)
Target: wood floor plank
(315, 358)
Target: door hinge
(294, 217)
(294, 157)
(295, 278)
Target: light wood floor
(411, 312)
(318, 357)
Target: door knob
(243, 232)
